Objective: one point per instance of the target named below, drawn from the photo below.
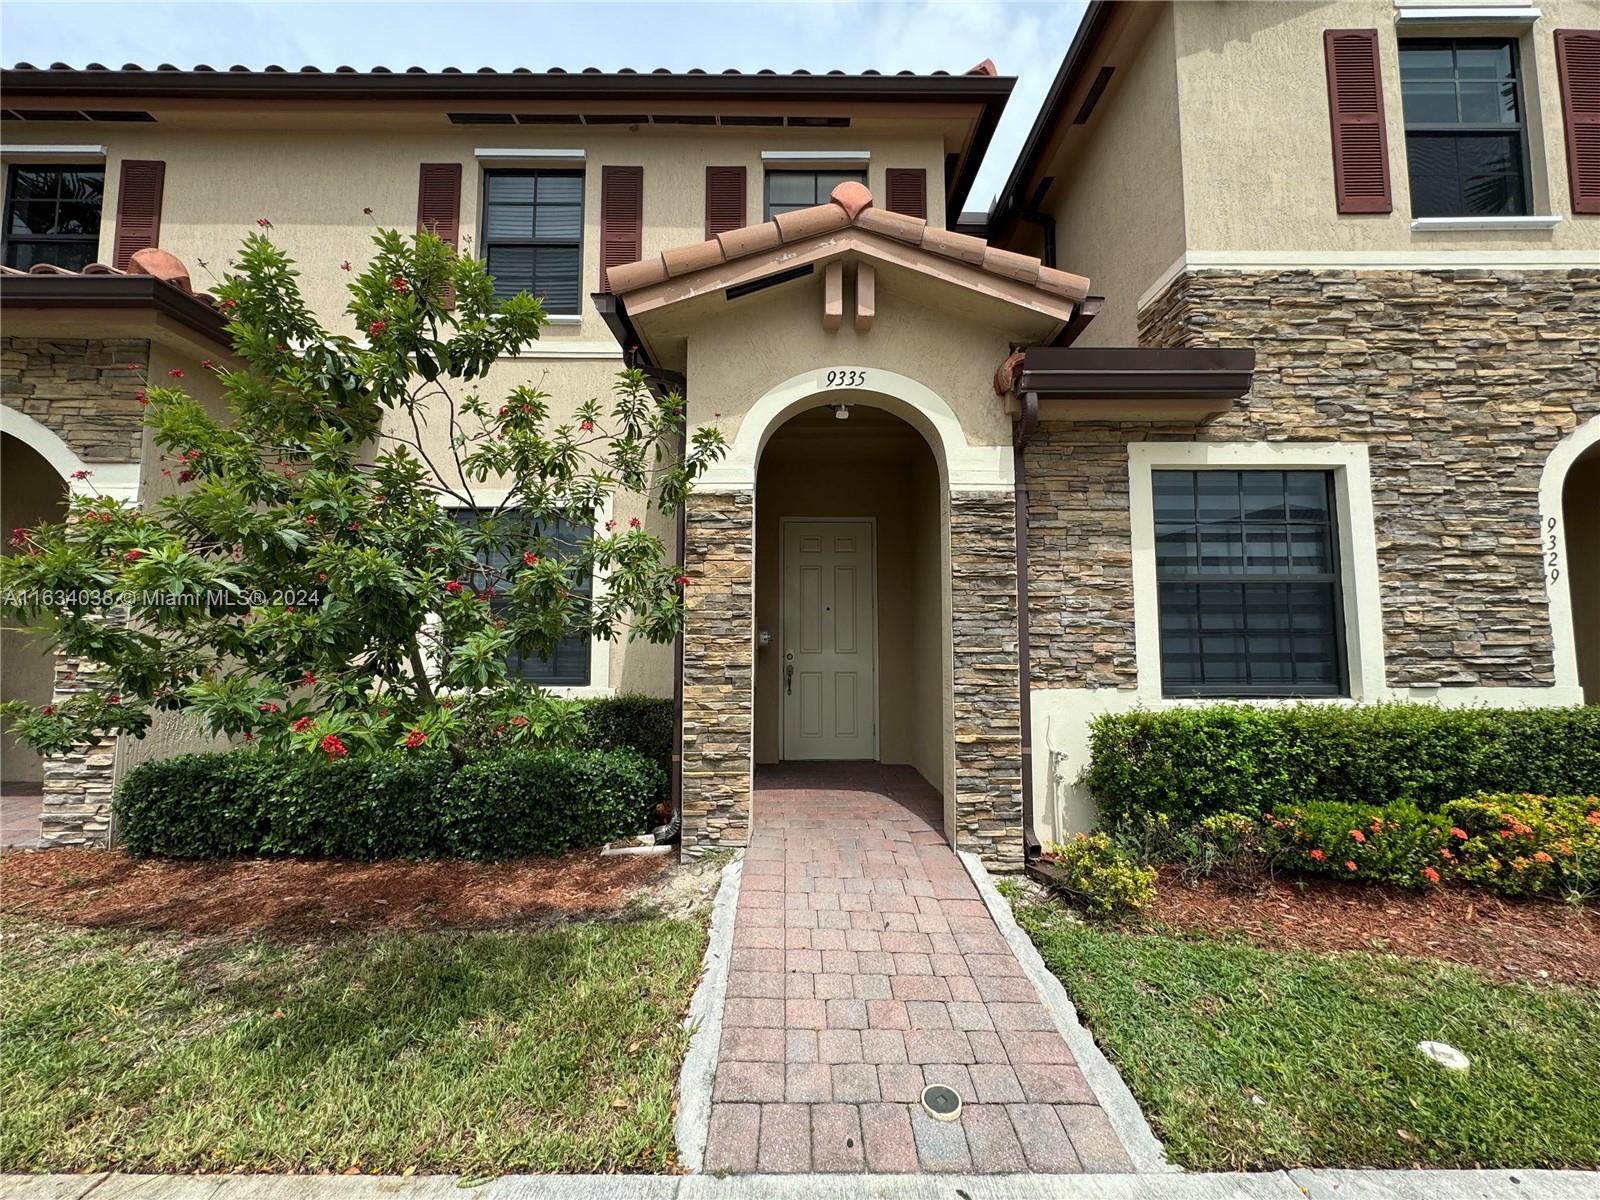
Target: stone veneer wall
(1460, 382)
(987, 724)
(718, 670)
(78, 786)
(81, 389)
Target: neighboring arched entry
(31, 492)
(1580, 508)
(852, 601)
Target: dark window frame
(534, 243)
(526, 668)
(1520, 129)
(857, 174)
(1333, 579)
(12, 240)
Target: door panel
(829, 683)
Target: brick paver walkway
(866, 966)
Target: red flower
(141, 397)
(1541, 856)
(398, 283)
(1358, 835)
(377, 327)
(264, 223)
(48, 710)
(415, 738)
(311, 518)
(1350, 864)
(1458, 833)
(303, 724)
(529, 558)
(82, 474)
(682, 581)
(633, 522)
(586, 426)
(308, 680)
(1430, 874)
(134, 555)
(269, 708)
(1593, 818)
(114, 698)
(1318, 856)
(135, 366)
(354, 527)
(206, 362)
(367, 211)
(610, 525)
(333, 747)
(519, 720)
(226, 305)
(345, 265)
(176, 372)
(453, 587)
(249, 737)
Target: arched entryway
(1580, 508)
(851, 604)
(31, 492)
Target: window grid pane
(52, 215)
(533, 236)
(789, 190)
(1466, 151)
(1248, 583)
(568, 664)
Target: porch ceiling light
(841, 412)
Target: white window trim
(1470, 224)
(17, 152)
(830, 157)
(1427, 15)
(513, 154)
(1358, 549)
(599, 648)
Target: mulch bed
(296, 898)
(1509, 939)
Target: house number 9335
(846, 377)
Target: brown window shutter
(621, 218)
(907, 191)
(138, 208)
(1355, 109)
(725, 200)
(439, 201)
(1578, 66)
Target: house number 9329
(1552, 549)
(846, 378)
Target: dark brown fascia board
(991, 91)
(1080, 58)
(1180, 372)
(115, 291)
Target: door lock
(788, 679)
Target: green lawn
(547, 1050)
(1199, 1028)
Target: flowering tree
(306, 584)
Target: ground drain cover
(941, 1103)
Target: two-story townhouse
(1319, 427)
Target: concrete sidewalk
(1272, 1185)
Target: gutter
(115, 292)
(1021, 430)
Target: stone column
(983, 630)
(78, 785)
(718, 670)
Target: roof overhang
(1133, 383)
(114, 293)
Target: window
(1247, 575)
(789, 190)
(1466, 128)
(569, 664)
(533, 235)
(53, 215)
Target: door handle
(788, 679)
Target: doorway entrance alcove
(850, 595)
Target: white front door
(829, 669)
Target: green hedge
(642, 723)
(1190, 762)
(245, 802)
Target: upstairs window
(52, 215)
(1466, 127)
(533, 235)
(568, 664)
(1248, 583)
(789, 190)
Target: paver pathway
(866, 966)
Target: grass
(1244, 1058)
(547, 1050)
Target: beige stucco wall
(1581, 505)
(1257, 155)
(30, 492)
(882, 471)
(1118, 200)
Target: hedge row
(226, 805)
(1190, 762)
(642, 723)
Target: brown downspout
(1021, 430)
(677, 654)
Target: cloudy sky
(1025, 38)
